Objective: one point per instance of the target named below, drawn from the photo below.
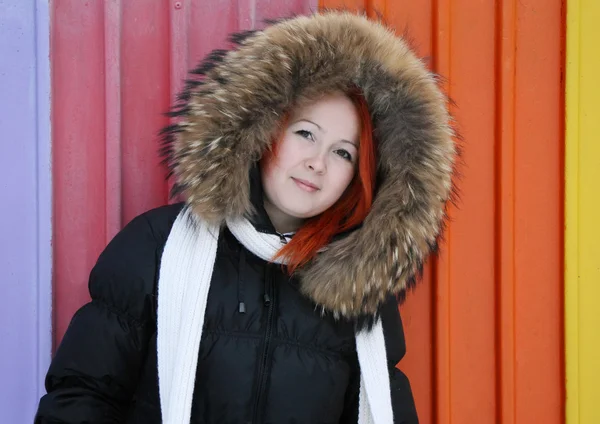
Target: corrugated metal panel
(483, 330)
(582, 249)
(484, 333)
(116, 66)
(25, 211)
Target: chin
(301, 214)
(297, 211)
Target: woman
(315, 160)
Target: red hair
(350, 210)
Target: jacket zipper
(269, 302)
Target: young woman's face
(315, 161)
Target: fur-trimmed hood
(233, 104)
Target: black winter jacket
(279, 361)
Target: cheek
(274, 175)
(270, 181)
(346, 176)
(282, 163)
(341, 179)
(268, 176)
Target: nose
(316, 163)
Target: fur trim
(232, 106)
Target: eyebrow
(319, 127)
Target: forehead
(336, 106)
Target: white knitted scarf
(185, 275)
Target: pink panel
(116, 67)
(79, 150)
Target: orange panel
(464, 54)
(414, 20)
(539, 223)
(484, 328)
(343, 4)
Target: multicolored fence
(505, 326)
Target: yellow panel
(582, 237)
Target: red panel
(116, 67)
(145, 95)
(78, 144)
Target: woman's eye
(344, 154)
(305, 134)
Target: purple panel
(25, 219)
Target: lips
(305, 185)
